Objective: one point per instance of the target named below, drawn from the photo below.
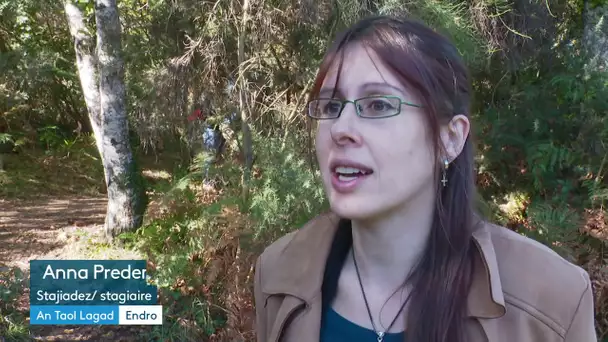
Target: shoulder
(304, 245)
(273, 251)
(536, 280)
(307, 234)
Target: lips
(346, 175)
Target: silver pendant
(380, 336)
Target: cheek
(404, 148)
(322, 137)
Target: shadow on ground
(32, 229)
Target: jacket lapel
(299, 269)
(486, 300)
(289, 307)
(298, 277)
(490, 329)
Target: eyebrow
(363, 87)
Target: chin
(356, 209)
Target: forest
(175, 131)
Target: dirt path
(44, 228)
(33, 229)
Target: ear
(453, 136)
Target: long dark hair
(430, 65)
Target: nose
(343, 129)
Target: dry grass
(220, 272)
(594, 262)
(227, 273)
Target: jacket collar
(299, 269)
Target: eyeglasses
(371, 107)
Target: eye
(332, 107)
(380, 105)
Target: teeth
(348, 170)
(343, 178)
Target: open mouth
(347, 173)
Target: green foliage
(547, 160)
(543, 136)
(38, 84)
(551, 127)
(451, 18)
(171, 243)
(10, 278)
(186, 245)
(6, 138)
(288, 193)
(71, 168)
(557, 226)
(12, 322)
(50, 136)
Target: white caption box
(140, 314)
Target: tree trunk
(86, 63)
(126, 197)
(247, 140)
(595, 19)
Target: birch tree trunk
(86, 63)
(126, 199)
(247, 140)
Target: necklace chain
(369, 312)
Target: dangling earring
(444, 179)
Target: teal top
(335, 328)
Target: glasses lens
(324, 108)
(378, 106)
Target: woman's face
(372, 166)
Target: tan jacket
(525, 292)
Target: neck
(389, 247)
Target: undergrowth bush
(542, 161)
(287, 193)
(202, 252)
(12, 283)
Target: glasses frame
(354, 102)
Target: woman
(402, 256)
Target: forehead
(361, 71)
